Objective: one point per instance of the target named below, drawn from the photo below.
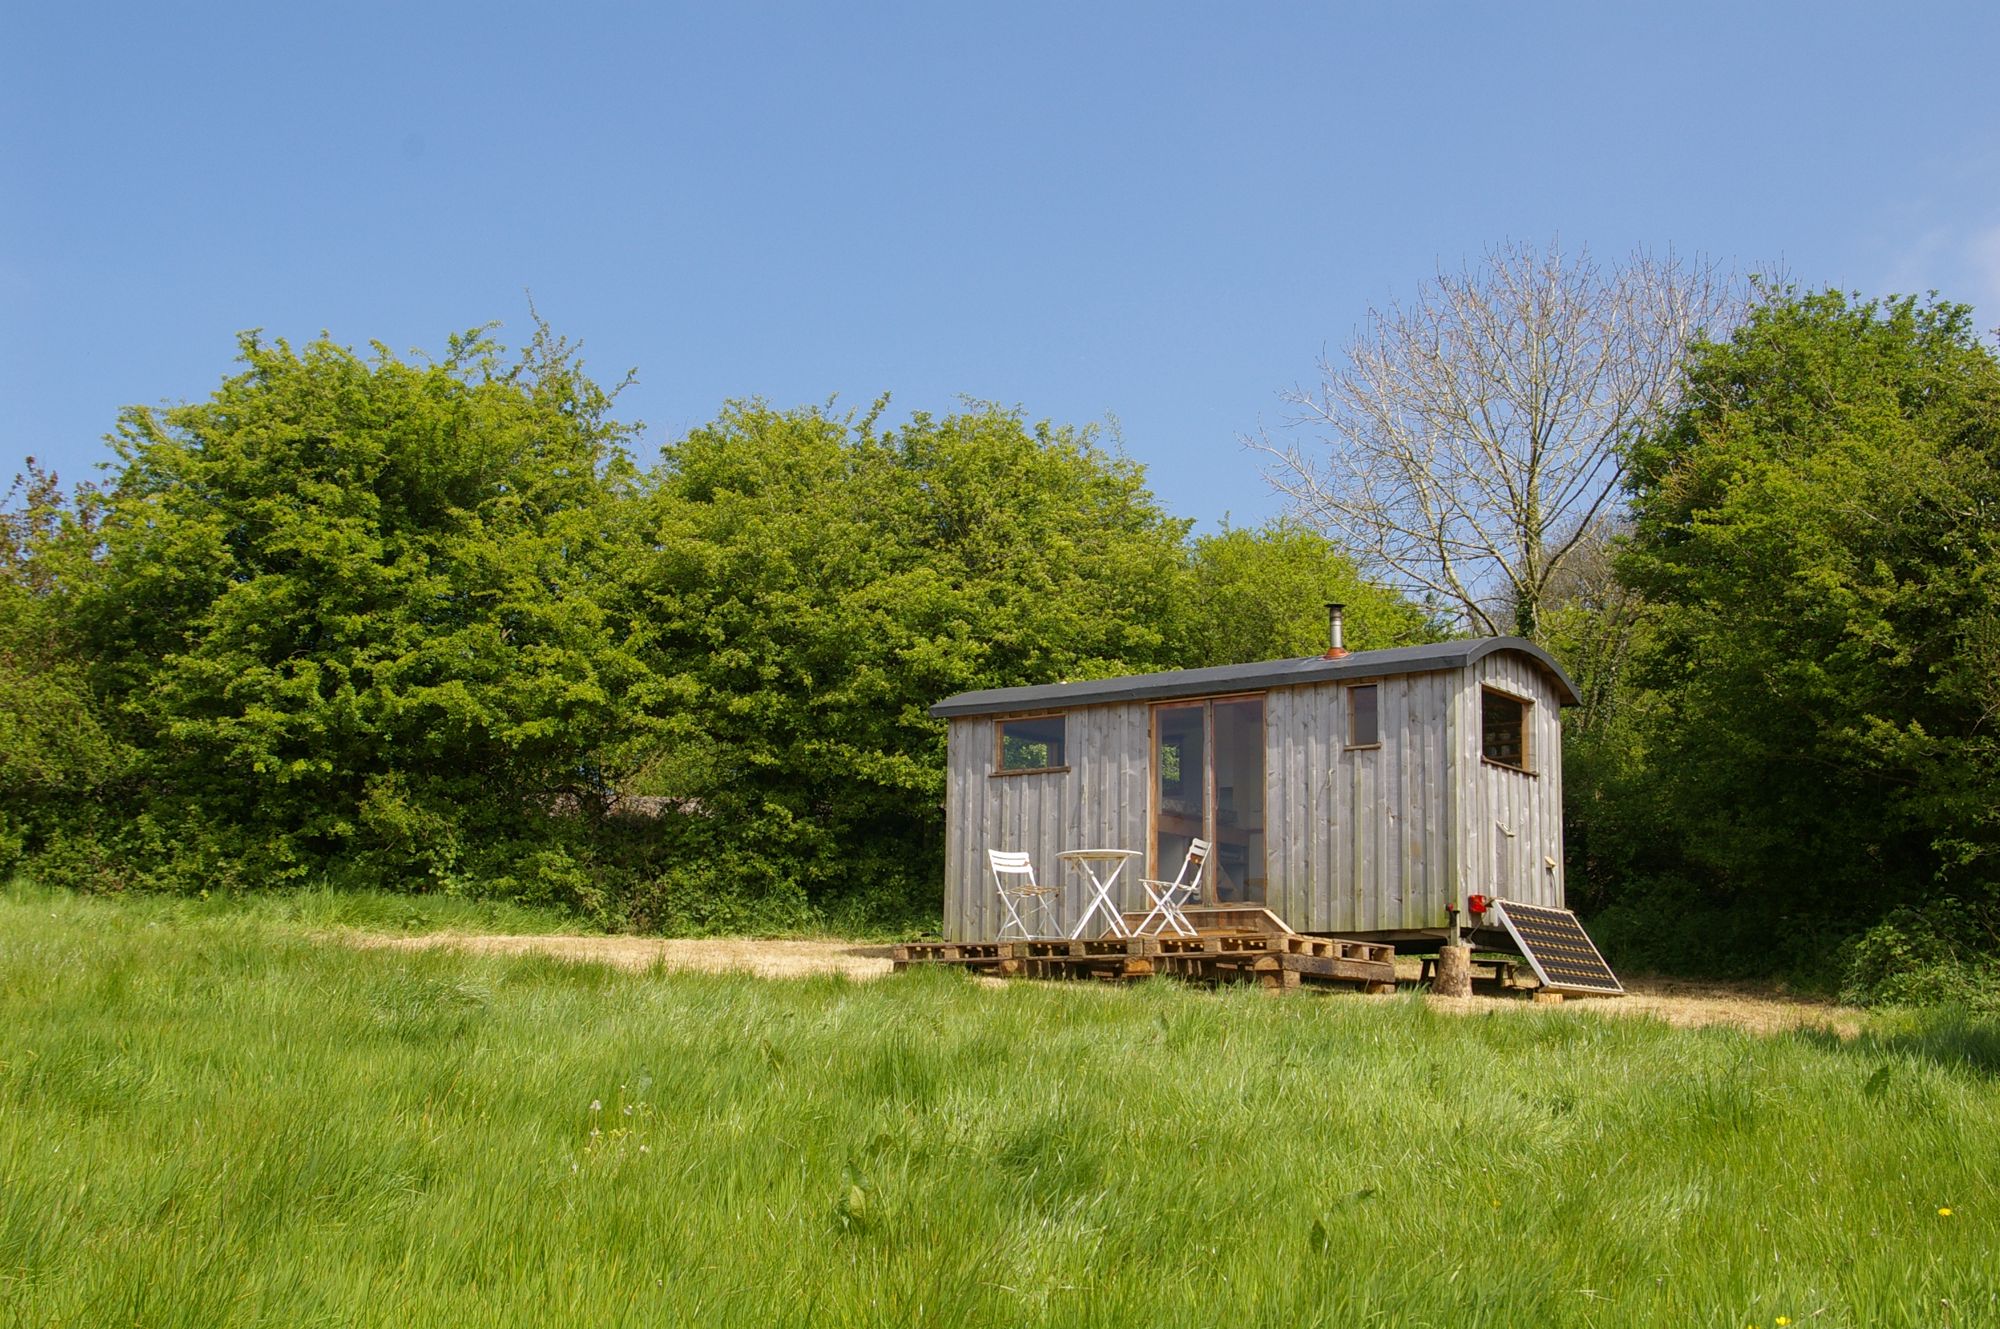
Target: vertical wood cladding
(1357, 838)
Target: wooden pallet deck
(1275, 960)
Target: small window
(1363, 730)
(1033, 745)
(1503, 725)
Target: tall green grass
(329, 906)
(223, 1121)
(315, 908)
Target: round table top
(1100, 853)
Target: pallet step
(978, 954)
(1275, 960)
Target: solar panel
(1564, 957)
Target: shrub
(1942, 954)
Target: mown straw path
(1683, 1004)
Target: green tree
(1818, 533)
(424, 624)
(55, 749)
(1260, 593)
(819, 583)
(351, 606)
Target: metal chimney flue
(1337, 649)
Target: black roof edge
(1254, 677)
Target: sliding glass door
(1180, 787)
(1208, 781)
(1237, 827)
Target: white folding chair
(1170, 896)
(1014, 879)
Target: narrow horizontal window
(1503, 727)
(1037, 744)
(1363, 729)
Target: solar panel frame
(1565, 966)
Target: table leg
(1116, 915)
(1101, 899)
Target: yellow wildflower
(1945, 1212)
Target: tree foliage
(425, 624)
(1817, 531)
(351, 606)
(55, 748)
(1260, 593)
(819, 583)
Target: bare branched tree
(1472, 439)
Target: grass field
(212, 1117)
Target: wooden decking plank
(1233, 953)
(1334, 967)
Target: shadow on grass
(1953, 1039)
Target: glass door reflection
(1180, 785)
(1208, 781)
(1238, 780)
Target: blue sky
(1158, 213)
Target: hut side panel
(1099, 802)
(1301, 812)
(957, 831)
(1466, 844)
(1417, 809)
(1111, 788)
(1360, 837)
(967, 892)
(1515, 833)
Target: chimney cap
(1336, 647)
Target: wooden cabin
(1355, 794)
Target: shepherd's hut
(1355, 794)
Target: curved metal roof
(1255, 677)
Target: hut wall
(1359, 838)
(1099, 802)
(1511, 838)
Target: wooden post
(1454, 967)
(1454, 972)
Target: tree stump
(1454, 972)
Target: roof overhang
(1255, 678)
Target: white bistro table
(1101, 867)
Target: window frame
(1347, 743)
(1527, 705)
(1000, 723)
